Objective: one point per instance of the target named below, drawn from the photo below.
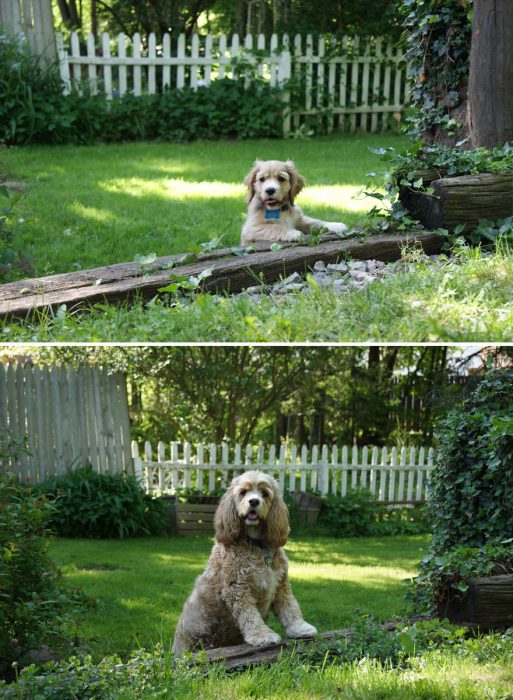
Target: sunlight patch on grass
(340, 196)
(92, 213)
(173, 189)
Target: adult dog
(273, 185)
(246, 575)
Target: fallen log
(460, 200)
(115, 283)
(246, 655)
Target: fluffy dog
(246, 575)
(273, 185)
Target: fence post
(284, 74)
(324, 471)
(138, 473)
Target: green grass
(468, 299)
(96, 205)
(140, 585)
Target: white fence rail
(355, 84)
(390, 474)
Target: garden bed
(229, 271)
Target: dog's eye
(261, 178)
(242, 492)
(281, 178)
(265, 494)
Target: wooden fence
(391, 475)
(33, 19)
(69, 416)
(353, 84)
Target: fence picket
(136, 57)
(383, 472)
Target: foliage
(405, 170)
(437, 36)
(356, 514)
(369, 664)
(35, 608)
(444, 576)
(33, 108)
(371, 640)
(471, 500)
(471, 503)
(90, 504)
(225, 16)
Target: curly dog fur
(273, 186)
(246, 575)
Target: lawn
(91, 206)
(140, 585)
(95, 205)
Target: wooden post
(490, 92)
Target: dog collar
(275, 213)
(268, 554)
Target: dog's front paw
(301, 629)
(334, 227)
(263, 639)
(291, 236)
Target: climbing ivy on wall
(437, 42)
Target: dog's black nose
(270, 190)
(254, 502)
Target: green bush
(471, 503)
(357, 514)
(33, 108)
(35, 608)
(90, 504)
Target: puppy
(273, 185)
(246, 575)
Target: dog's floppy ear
(249, 181)
(227, 523)
(297, 181)
(277, 522)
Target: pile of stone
(340, 277)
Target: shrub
(35, 608)
(89, 504)
(471, 504)
(356, 514)
(33, 108)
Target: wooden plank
(209, 508)
(230, 275)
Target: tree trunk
(491, 73)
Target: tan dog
(273, 185)
(246, 575)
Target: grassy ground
(469, 299)
(140, 585)
(91, 206)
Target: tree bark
(491, 74)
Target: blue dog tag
(272, 214)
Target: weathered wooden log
(247, 655)
(487, 603)
(461, 200)
(116, 283)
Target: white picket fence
(356, 84)
(390, 474)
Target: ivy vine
(437, 39)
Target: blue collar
(272, 214)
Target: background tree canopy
(372, 394)
(228, 16)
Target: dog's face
(253, 493)
(274, 182)
(253, 501)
